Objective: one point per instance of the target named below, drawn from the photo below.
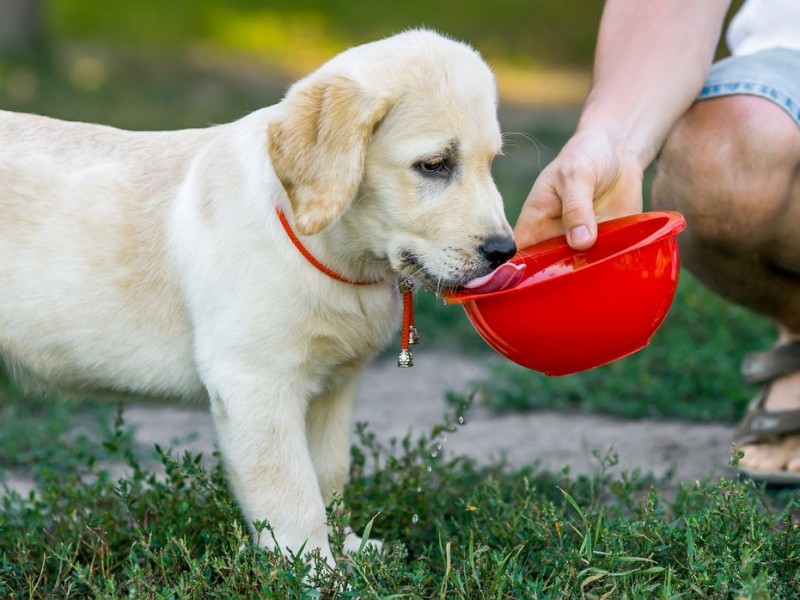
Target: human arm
(651, 59)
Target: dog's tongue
(505, 276)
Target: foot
(782, 454)
(352, 542)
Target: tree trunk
(21, 26)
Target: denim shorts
(772, 74)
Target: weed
(481, 532)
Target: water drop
(429, 469)
(419, 490)
(434, 454)
(461, 420)
(415, 519)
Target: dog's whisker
(522, 134)
(537, 145)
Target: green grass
(142, 90)
(455, 530)
(37, 429)
(542, 32)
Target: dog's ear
(318, 144)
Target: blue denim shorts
(772, 74)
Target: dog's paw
(353, 543)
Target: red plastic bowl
(574, 311)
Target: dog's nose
(497, 249)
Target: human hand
(592, 179)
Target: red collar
(409, 333)
(310, 257)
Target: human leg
(732, 167)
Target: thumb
(578, 218)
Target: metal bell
(406, 285)
(405, 359)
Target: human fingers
(577, 191)
(540, 217)
(592, 179)
(561, 202)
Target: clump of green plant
(453, 529)
(39, 429)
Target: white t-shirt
(763, 24)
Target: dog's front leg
(262, 438)
(328, 425)
(329, 422)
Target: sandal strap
(760, 367)
(761, 425)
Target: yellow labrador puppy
(156, 264)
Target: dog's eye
(434, 167)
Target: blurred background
(217, 56)
(151, 64)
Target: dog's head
(394, 141)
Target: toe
(793, 464)
(773, 456)
(764, 457)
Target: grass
(302, 31)
(456, 530)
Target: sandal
(760, 425)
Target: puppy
(155, 263)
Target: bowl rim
(674, 224)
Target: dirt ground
(397, 401)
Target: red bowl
(574, 311)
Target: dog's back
(82, 208)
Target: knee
(727, 165)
